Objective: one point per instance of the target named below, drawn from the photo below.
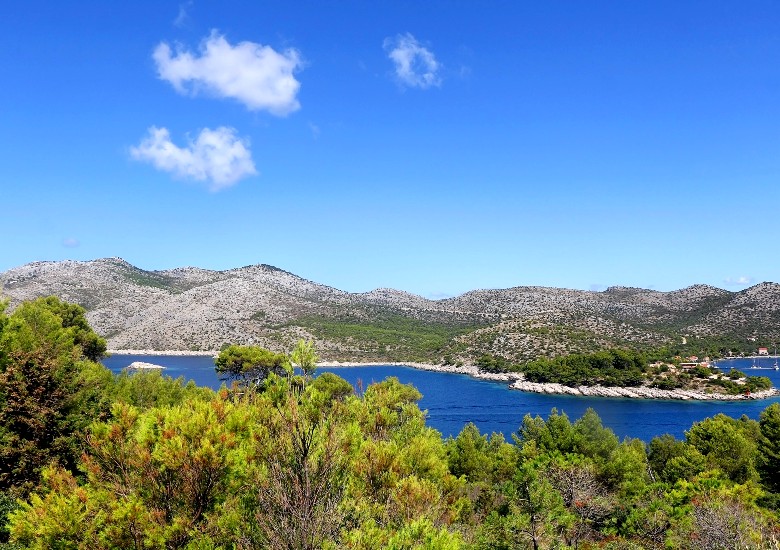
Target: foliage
(331, 386)
(393, 337)
(305, 357)
(492, 363)
(672, 460)
(286, 464)
(728, 445)
(49, 389)
(769, 447)
(609, 368)
(146, 389)
(250, 364)
(298, 501)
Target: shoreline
(468, 370)
(638, 392)
(515, 381)
(179, 353)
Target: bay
(453, 400)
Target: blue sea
(453, 400)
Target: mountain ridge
(191, 308)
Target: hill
(190, 308)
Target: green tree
(594, 440)
(163, 478)
(769, 447)
(331, 386)
(467, 453)
(304, 356)
(250, 364)
(728, 445)
(539, 508)
(49, 389)
(671, 459)
(298, 501)
(150, 388)
(73, 316)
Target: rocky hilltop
(190, 308)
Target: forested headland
(286, 459)
(630, 368)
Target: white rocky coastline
(639, 392)
(141, 365)
(468, 370)
(517, 382)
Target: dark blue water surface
(452, 400)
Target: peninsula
(518, 381)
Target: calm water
(452, 400)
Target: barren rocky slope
(195, 309)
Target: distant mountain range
(196, 309)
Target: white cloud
(70, 242)
(415, 65)
(739, 281)
(218, 156)
(258, 76)
(183, 15)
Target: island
(141, 365)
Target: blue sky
(434, 147)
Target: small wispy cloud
(183, 15)
(217, 157)
(258, 76)
(415, 65)
(739, 281)
(436, 295)
(598, 287)
(315, 130)
(70, 242)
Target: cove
(453, 400)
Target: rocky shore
(140, 365)
(469, 370)
(517, 381)
(639, 392)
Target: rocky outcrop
(141, 365)
(640, 392)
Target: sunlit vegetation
(392, 336)
(607, 368)
(627, 368)
(283, 460)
